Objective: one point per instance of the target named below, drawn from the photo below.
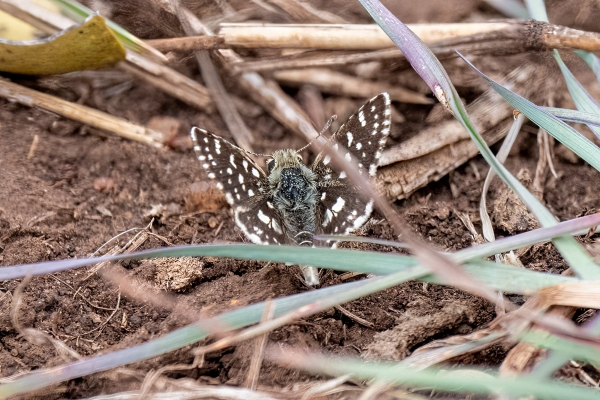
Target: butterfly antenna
(258, 154)
(325, 128)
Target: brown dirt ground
(83, 187)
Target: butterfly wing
(244, 184)
(341, 208)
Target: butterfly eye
(270, 164)
(299, 157)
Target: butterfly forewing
(244, 184)
(342, 209)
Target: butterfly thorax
(294, 195)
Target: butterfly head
(287, 158)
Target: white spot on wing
(323, 196)
(360, 221)
(263, 217)
(255, 172)
(229, 198)
(276, 227)
(241, 178)
(326, 160)
(339, 204)
(342, 175)
(217, 147)
(358, 146)
(219, 186)
(250, 192)
(350, 137)
(245, 164)
(231, 160)
(229, 171)
(328, 217)
(373, 170)
(211, 175)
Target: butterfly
(291, 202)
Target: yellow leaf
(88, 46)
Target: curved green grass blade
(575, 226)
(562, 132)
(577, 116)
(582, 99)
(571, 348)
(506, 278)
(456, 380)
(430, 69)
(591, 60)
(510, 8)
(537, 10)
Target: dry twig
(236, 125)
(521, 35)
(334, 82)
(260, 344)
(77, 112)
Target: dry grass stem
(190, 43)
(33, 14)
(77, 112)
(33, 147)
(260, 344)
(324, 388)
(168, 80)
(303, 11)
(533, 34)
(274, 100)
(338, 83)
(202, 392)
(340, 36)
(227, 109)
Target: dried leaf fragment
(88, 46)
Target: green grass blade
(456, 380)
(562, 132)
(576, 116)
(572, 349)
(582, 99)
(591, 60)
(500, 277)
(537, 10)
